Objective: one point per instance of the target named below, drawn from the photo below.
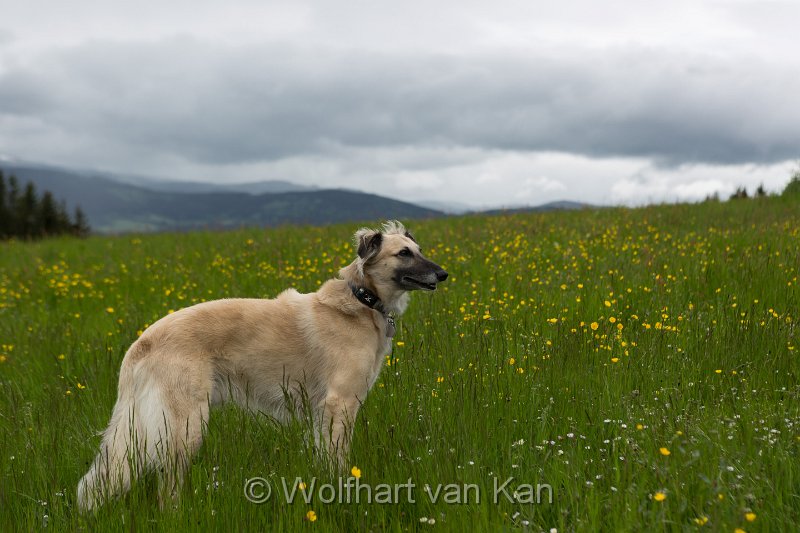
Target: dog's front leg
(338, 416)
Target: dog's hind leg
(186, 437)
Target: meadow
(641, 363)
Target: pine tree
(80, 227)
(740, 194)
(4, 217)
(793, 187)
(11, 202)
(48, 216)
(28, 216)
(64, 222)
(28, 213)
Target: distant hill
(256, 187)
(117, 203)
(560, 205)
(112, 206)
(451, 208)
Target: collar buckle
(371, 300)
(366, 297)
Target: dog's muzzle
(426, 281)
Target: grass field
(643, 364)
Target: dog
(322, 350)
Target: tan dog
(323, 350)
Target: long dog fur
(323, 349)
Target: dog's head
(392, 262)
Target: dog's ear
(369, 243)
(407, 234)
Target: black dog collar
(367, 297)
(371, 300)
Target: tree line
(792, 189)
(25, 214)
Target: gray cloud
(219, 104)
(467, 101)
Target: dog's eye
(405, 252)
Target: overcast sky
(483, 103)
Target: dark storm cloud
(217, 104)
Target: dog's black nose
(441, 275)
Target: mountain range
(125, 203)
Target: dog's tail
(135, 437)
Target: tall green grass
(643, 363)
